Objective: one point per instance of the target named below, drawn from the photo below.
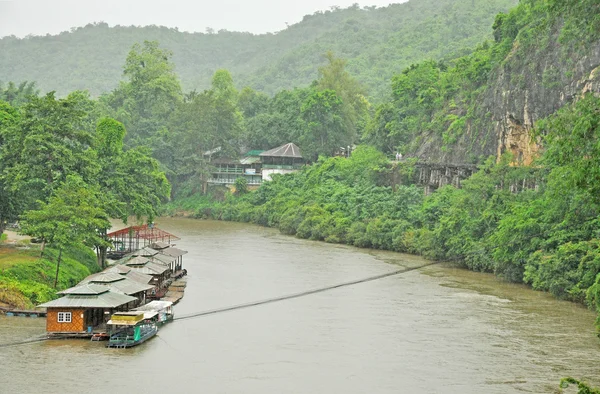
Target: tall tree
(73, 214)
(48, 144)
(150, 94)
(207, 123)
(8, 203)
(131, 181)
(18, 94)
(355, 105)
(326, 131)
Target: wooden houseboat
(84, 310)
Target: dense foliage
(26, 280)
(63, 173)
(378, 42)
(545, 235)
(535, 45)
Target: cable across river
(301, 294)
(263, 302)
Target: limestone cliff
(529, 85)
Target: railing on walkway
(229, 181)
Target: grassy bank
(26, 279)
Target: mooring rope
(301, 294)
(263, 302)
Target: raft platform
(175, 291)
(22, 312)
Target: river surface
(433, 330)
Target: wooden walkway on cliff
(432, 176)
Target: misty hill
(378, 42)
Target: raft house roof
(118, 283)
(159, 245)
(151, 268)
(89, 296)
(129, 273)
(290, 150)
(145, 252)
(172, 252)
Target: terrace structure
(281, 160)
(133, 238)
(257, 166)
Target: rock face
(527, 90)
(529, 86)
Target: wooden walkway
(175, 291)
(22, 312)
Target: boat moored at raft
(159, 312)
(129, 329)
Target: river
(433, 330)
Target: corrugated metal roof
(127, 286)
(146, 252)
(250, 160)
(108, 300)
(154, 306)
(150, 268)
(138, 260)
(174, 252)
(159, 245)
(287, 150)
(162, 259)
(103, 277)
(85, 289)
(254, 152)
(139, 277)
(118, 269)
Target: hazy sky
(22, 17)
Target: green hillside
(378, 42)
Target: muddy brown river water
(433, 330)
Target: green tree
(131, 182)
(322, 112)
(241, 186)
(572, 138)
(355, 106)
(280, 123)
(9, 118)
(48, 144)
(17, 95)
(151, 92)
(72, 215)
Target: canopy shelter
(133, 238)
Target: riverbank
(539, 237)
(26, 279)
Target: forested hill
(378, 42)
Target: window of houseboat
(64, 317)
